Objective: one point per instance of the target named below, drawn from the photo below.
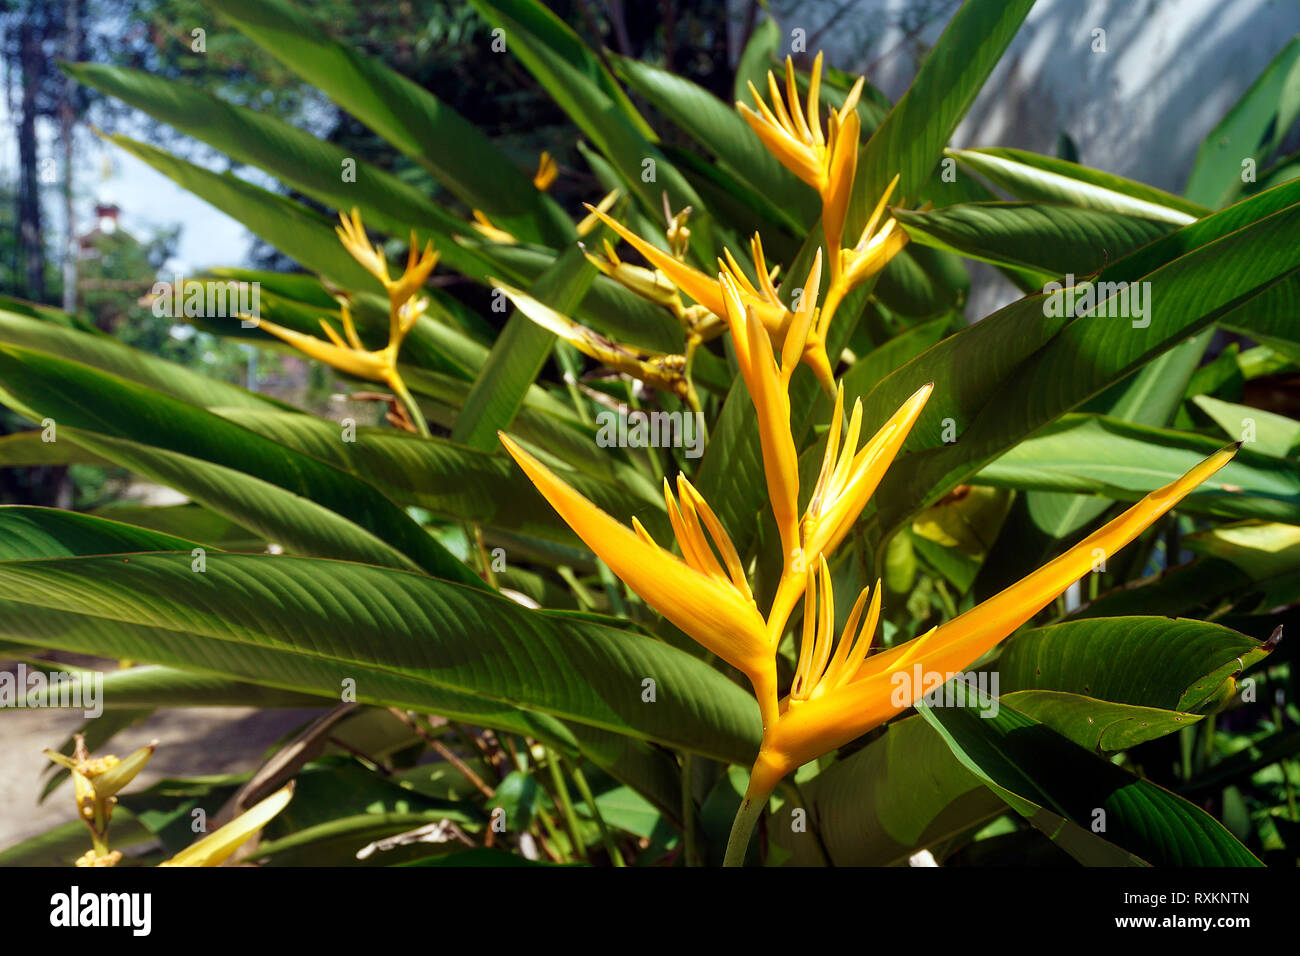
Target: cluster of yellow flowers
(840, 690)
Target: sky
(148, 200)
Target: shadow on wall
(1140, 107)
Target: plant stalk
(409, 403)
(751, 808)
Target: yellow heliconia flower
(877, 245)
(215, 848)
(762, 298)
(848, 476)
(833, 704)
(485, 228)
(836, 695)
(352, 234)
(347, 353)
(656, 369)
(590, 221)
(827, 162)
(547, 170)
(714, 607)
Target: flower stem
(566, 804)
(408, 403)
(751, 808)
(606, 838)
(688, 812)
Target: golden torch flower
(837, 696)
(762, 298)
(840, 689)
(351, 356)
(826, 162)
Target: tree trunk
(67, 130)
(30, 238)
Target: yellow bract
(716, 609)
(217, 847)
(656, 369)
(762, 298)
(547, 170)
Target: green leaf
(1269, 318)
(190, 521)
(410, 118)
(32, 533)
(886, 358)
(1064, 791)
(1263, 551)
(1265, 432)
(28, 533)
(1040, 178)
(150, 686)
(1098, 725)
(453, 480)
(404, 639)
(282, 494)
(519, 354)
(298, 159)
(1089, 454)
(1174, 665)
(109, 355)
(903, 792)
(1252, 130)
(550, 30)
(757, 57)
(921, 282)
(1052, 239)
(28, 449)
(1026, 365)
(910, 141)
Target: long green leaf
(1046, 179)
(1251, 130)
(318, 508)
(403, 639)
(1023, 367)
(910, 141)
(1086, 454)
(412, 119)
(1067, 792)
(1051, 239)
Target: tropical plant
(1058, 576)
